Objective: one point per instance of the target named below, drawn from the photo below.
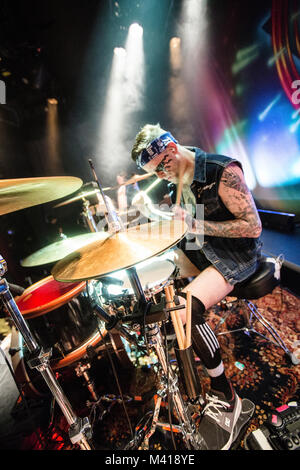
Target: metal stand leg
(186, 425)
(80, 429)
(248, 328)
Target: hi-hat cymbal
(58, 250)
(20, 193)
(118, 251)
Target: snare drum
(60, 317)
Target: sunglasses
(161, 165)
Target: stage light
(135, 69)
(187, 56)
(275, 57)
(178, 102)
(136, 30)
(175, 42)
(112, 123)
(124, 97)
(266, 111)
(52, 101)
(120, 52)
(294, 127)
(193, 29)
(244, 57)
(232, 145)
(175, 54)
(52, 158)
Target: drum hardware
(112, 321)
(82, 371)
(88, 216)
(111, 400)
(114, 222)
(79, 428)
(168, 379)
(117, 381)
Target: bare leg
(209, 286)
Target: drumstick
(177, 316)
(182, 333)
(174, 319)
(152, 185)
(188, 319)
(180, 184)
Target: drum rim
(80, 351)
(53, 304)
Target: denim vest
(235, 258)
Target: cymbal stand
(115, 224)
(168, 379)
(80, 429)
(89, 219)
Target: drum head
(46, 295)
(153, 275)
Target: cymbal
(20, 193)
(120, 250)
(58, 250)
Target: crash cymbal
(118, 251)
(58, 250)
(20, 193)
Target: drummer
(229, 253)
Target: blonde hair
(145, 136)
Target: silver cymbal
(58, 250)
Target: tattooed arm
(239, 201)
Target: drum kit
(103, 285)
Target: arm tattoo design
(239, 201)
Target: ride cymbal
(58, 250)
(120, 250)
(20, 193)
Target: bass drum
(59, 316)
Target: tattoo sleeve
(239, 201)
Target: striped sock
(207, 348)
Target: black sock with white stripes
(207, 348)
